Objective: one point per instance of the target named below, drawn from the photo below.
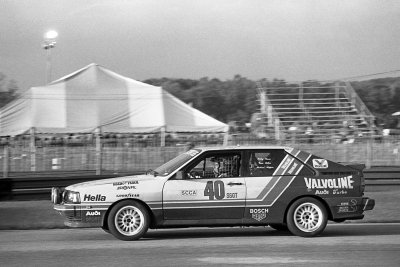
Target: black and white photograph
(199, 133)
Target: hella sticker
(320, 163)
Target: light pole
(48, 43)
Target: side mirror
(179, 175)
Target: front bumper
(76, 216)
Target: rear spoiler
(357, 166)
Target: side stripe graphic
(283, 177)
(282, 183)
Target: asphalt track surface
(361, 244)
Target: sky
(295, 40)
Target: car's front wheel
(128, 220)
(307, 217)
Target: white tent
(95, 97)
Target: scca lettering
(342, 183)
(94, 198)
(189, 193)
(258, 211)
(93, 213)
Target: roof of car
(219, 148)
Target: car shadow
(193, 233)
(332, 230)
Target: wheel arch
(151, 214)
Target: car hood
(143, 177)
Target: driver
(222, 168)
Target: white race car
(282, 187)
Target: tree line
(236, 99)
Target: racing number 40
(215, 189)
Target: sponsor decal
(97, 198)
(333, 183)
(339, 192)
(258, 214)
(322, 192)
(292, 168)
(286, 163)
(231, 195)
(127, 195)
(189, 192)
(320, 163)
(93, 213)
(126, 187)
(345, 207)
(125, 183)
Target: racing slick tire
(128, 220)
(279, 227)
(306, 217)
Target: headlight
(71, 197)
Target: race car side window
(264, 162)
(215, 166)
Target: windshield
(175, 163)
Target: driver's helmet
(222, 167)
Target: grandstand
(311, 111)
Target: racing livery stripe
(294, 151)
(205, 203)
(204, 200)
(280, 185)
(303, 156)
(283, 182)
(203, 207)
(281, 170)
(309, 156)
(273, 181)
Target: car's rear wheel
(128, 220)
(307, 217)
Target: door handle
(231, 183)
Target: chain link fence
(122, 154)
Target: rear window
(265, 162)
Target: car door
(269, 174)
(211, 188)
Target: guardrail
(37, 186)
(383, 176)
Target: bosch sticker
(258, 214)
